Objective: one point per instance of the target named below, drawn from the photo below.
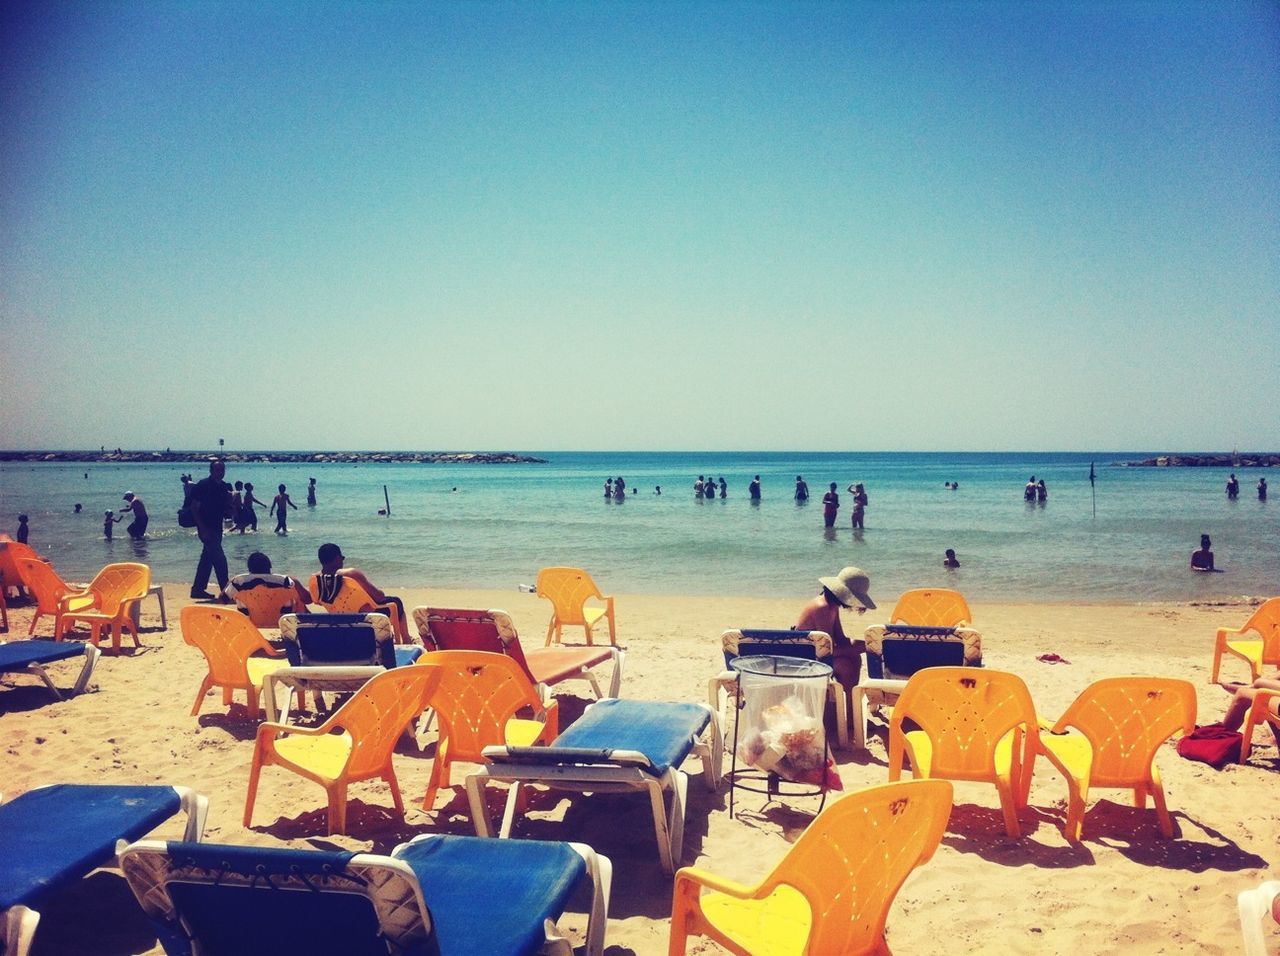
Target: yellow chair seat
(260, 667)
(522, 733)
(777, 925)
(1251, 651)
(324, 756)
(921, 752)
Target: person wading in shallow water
(210, 503)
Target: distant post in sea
(1094, 488)
(387, 498)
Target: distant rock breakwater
(1236, 460)
(297, 457)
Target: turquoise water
(505, 521)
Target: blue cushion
(407, 653)
(491, 897)
(57, 834)
(663, 732)
(19, 654)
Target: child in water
(23, 530)
(108, 523)
(950, 560)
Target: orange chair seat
(551, 665)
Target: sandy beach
(1123, 888)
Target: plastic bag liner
(780, 723)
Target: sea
(1126, 537)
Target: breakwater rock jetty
(300, 457)
(1233, 460)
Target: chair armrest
(694, 876)
(271, 730)
(1225, 632)
(64, 602)
(551, 717)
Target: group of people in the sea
(1233, 488)
(1035, 491)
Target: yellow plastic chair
(970, 724)
(1256, 651)
(832, 891)
(1116, 727)
(368, 726)
(265, 606)
(477, 702)
(1265, 710)
(227, 639)
(48, 589)
(569, 590)
(354, 599)
(932, 607)
(113, 594)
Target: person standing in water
(1202, 560)
(859, 505)
(802, 489)
(311, 492)
(278, 504)
(830, 505)
(1233, 487)
(23, 529)
(753, 489)
(138, 527)
(248, 517)
(1262, 489)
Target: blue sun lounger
(451, 895)
(56, 835)
(616, 745)
(32, 656)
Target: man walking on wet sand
(210, 503)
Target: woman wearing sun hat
(849, 590)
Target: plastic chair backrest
(478, 693)
(351, 597)
(466, 629)
(44, 583)
(1266, 621)
(1126, 719)
(568, 589)
(264, 606)
(932, 607)
(120, 582)
(225, 637)
(377, 714)
(852, 860)
(10, 572)
(965, 712)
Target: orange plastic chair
(832, 891)
(11, 576)
(264, 606)
(1265, 710)
(112, 594)
(1258, 651)
(227, 638)
(48, 589)
(477, 701)
(368, 726)
(932, 607)
(353, 599)
(971, 724)
(1117, 725)
(569, 590)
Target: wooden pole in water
(387, 498)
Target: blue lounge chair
(616, 745)
(451, 895)
(32, 656)
(334, 652)
(55, 835)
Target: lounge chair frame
(39, 659)
(597, 771)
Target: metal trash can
(779, 735)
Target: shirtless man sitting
(326, 584)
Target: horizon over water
(506, 521)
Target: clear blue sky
(950, 226)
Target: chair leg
(254, 770)
(204, 689)
(440, 775)
(32, 629)
(1162, 807)
(1217, 661)
(336, 814)
(251, 701)
(394, 784)
(1009, 807)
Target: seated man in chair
(326, 586)
(260, 576)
